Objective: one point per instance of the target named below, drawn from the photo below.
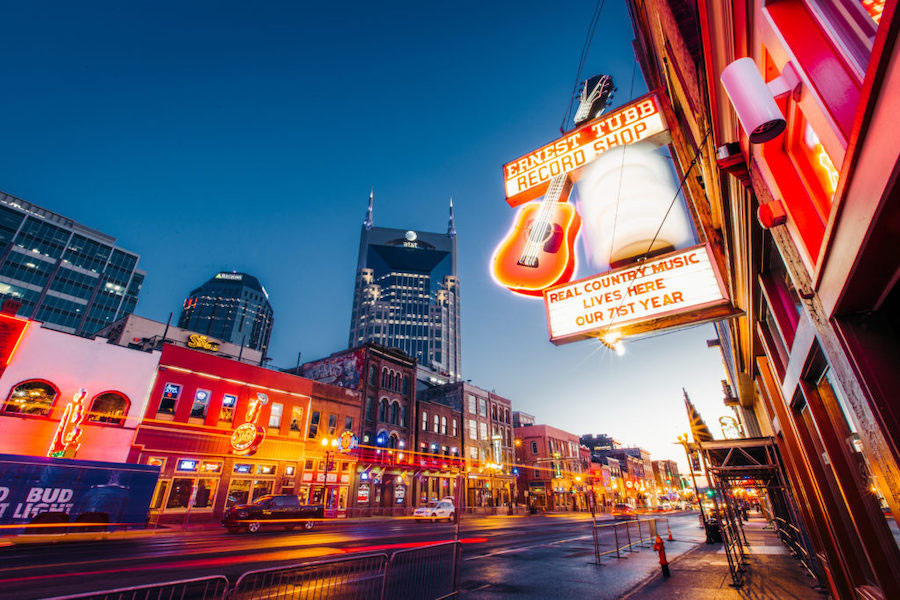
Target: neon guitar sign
(539, 250)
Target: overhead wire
(585, 49)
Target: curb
(651, 578)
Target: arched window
(383, 410)
(392, 441)
(403, 416)
(494, 412)
(372, 375)
(444, 425)
(424, 420)
(384, 377)
(32, 397)
(109, 407)
(437, 421)
(395, 412)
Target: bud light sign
(47, 495)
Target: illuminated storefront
(803, 222)
(85, 403)
(226, 433)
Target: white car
(436, 510)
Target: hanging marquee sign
(528, 177)
(670, 290)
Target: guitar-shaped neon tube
(539, 250)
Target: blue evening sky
(237, 135)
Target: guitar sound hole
(541, 232)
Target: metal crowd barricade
(201, 588)
(427, 573)
(621, 539)
(348, 579)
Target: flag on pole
(699, 430)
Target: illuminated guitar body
(540, 249)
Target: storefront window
(162, 486)
(181, 492)
(206, 493)
(296, 421)
(238, 492)
(261, 488)
(201, 403)
(31, 398)
(110, 407)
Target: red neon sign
(68, 434)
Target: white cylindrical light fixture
(752, 101)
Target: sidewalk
(702, 574)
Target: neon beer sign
(247, 436)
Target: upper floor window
(275, 415)
(372, 375)
(226, 413)
(109, 407)
(482, 407)
(171, 394)
(332, 423)
(405, 386)
(534, 448)
(395, 413)
(424, 420)
(454, 428)
(31, 398)
(472, 401)
(313, 424)
(444, 425)
(437, 421)
(201, 402)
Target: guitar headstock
(596, 93)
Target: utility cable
(612, 239)
(585, 49)
(678, 191)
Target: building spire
(370, 221)
(451, 228)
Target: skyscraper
(73, 278)
(232, 307)
(407, 294)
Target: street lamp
(329, 455)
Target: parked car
(436, 510)
(623, 512)
(278, 510)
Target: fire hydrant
(660, 547)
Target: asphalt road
(490, 543)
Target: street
(527, 556)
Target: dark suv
(279, 510)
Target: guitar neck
(558, 188)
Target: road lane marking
(523, 548)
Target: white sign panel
(678, 282)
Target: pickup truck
(278, 510)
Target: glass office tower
(233, 307)
(407, 294)
(73, 278)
